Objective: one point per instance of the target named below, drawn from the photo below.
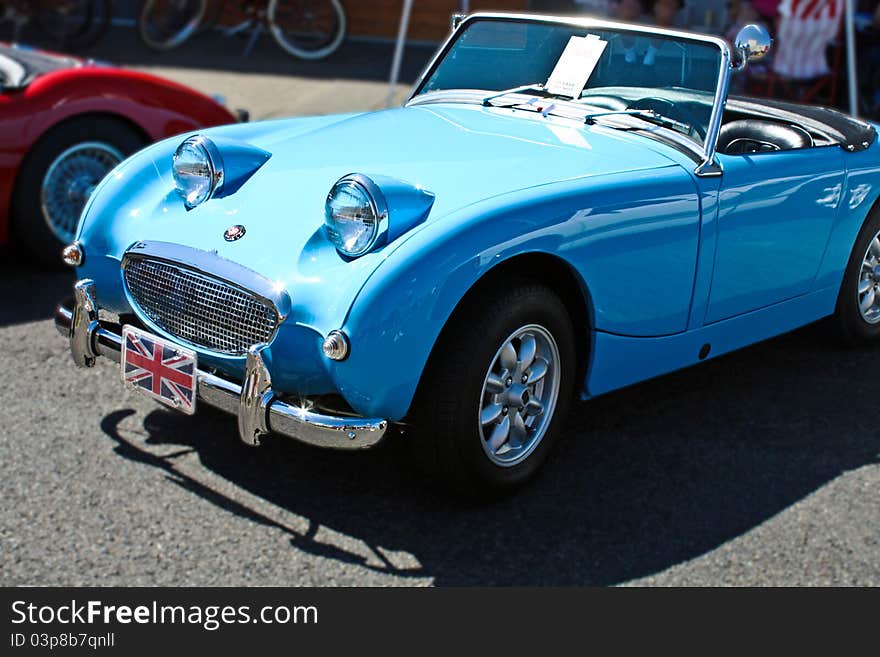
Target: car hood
(462, 154)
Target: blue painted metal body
(667, 261)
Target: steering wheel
(673, 111)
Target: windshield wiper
(650, 116)
(535, 87)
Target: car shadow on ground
(29, 292)
(644, 479)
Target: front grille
(199, 309)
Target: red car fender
(155, 107)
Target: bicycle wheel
(309, 29)
(165, 24)
(64, 20)
(102, 12)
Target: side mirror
(752, 43)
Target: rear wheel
(857, 315)
(496, 390)
(166, 24)
(59, 175)
(308, 29)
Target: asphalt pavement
(758, 468)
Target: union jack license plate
(159, 369)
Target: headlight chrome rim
(214, 162)
(378, 205)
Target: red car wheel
(58, 176)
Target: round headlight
(355, 215)
(198, 170)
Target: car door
(775, 213)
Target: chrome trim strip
(263, 410)
(708, 166)
(567, 20)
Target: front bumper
(258, 408)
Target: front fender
(600, 228)
(160, 108)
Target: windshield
(11, 72)
(21, 64)
(672, 76)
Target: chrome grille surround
(197, 308)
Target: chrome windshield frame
(708, 166)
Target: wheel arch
(873, 208)
(47, 131)
(399, 322)
(21, 228)
(856, 210)
(575, 231)
(558, 275)
(542, 267)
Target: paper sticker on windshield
(570, 75)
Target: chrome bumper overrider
(259, 411)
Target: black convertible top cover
(852, 134)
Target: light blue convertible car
(562, 208)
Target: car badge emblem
(233, 233)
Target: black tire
(29, 225)
(446, 438)
(848, 322)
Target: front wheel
(496, 390)
(308, 29)
(58, 176)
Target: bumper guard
(258, 409)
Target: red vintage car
(64, 123)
